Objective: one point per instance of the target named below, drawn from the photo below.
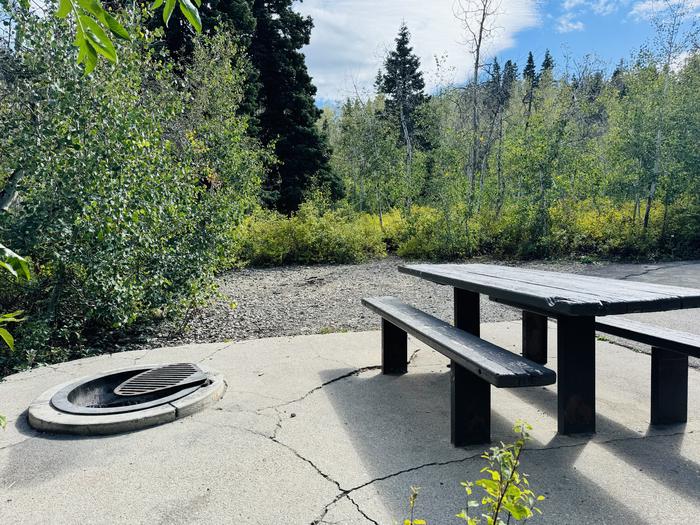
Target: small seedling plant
(507, 499)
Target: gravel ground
(321, 299)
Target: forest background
(128, 189)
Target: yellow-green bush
(430, 233)
(312, 235)
(318, 234)
(604, 228)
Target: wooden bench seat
(669, 364)
(476, 364)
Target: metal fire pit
(126, 399)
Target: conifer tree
(402, 83)
(529, 74)
(531, 79)
(279, 94)
(288, 114)
(510, 76)
(547, 63)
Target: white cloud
(568, 5)
(599, 7)
(567, 24)
(646, 9)
(351, 37)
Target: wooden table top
(556, 292)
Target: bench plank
(494, 364)
(656, 336)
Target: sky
(351, 37)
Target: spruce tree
(509, 77)
(286, 98)
(402, 82)
(547, 63)
(279, 94)
(531, 79)
(529, 73)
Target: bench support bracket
(535, 337)
(669, 387)
(394, 349)
(576, 374)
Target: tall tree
(279, 93)
(531, 79)
(478, 19)
(288, 114)
(547, 63)
(402, 83)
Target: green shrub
(437, 234)
(313, 235)
(507, 496)
(132, 181)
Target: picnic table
(573, 300)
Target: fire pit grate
(161, 378)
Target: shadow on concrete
(671, 436)
(395, 423)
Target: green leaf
(13, 317)
(64, 7)
(9, 268)
(13, 263)
(192, 14)
(7, 337)
(98, 38)
(156, 4)
(93, 7)
(3, 422)
(168, 10)
(89, 56)
(116, 28)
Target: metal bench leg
(394, 349)
(470, 408)
(466, 306)
(470, 417)
(669, 387)
(535, 337)
(576, 374)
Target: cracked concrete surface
(310, 432)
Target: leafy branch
(17, 267)
(95, 26)
(508, 496)
(507, 489)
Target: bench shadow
(676, 478)
(399, 422)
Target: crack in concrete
(346, 493)
(19, 442)
(352, 373)
(210, 356)
(364, 514)
(347, 375)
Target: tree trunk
(650, 198)
(9, 194)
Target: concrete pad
(310, 432)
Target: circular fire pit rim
(61, 400)
(44, 417)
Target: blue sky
(351, 36)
